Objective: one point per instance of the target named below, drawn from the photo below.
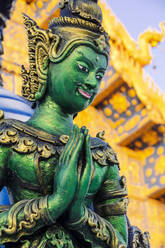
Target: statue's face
(75, 81)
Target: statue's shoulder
(8, 134)
(27, 139)
(102, 152)
(10, 131)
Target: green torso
(33, 156)
(29, 179)
(29, 158)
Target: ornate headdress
(79, 23)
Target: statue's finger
(88, 150)
(86, 176)
(68, 145)
(72, 146)
(76, 148)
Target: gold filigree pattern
(111, 155)
(64, 138)
(8, 136)
(101, 42)
(113, 188)
(104, 202)
(43, 44)
(46, 150)
(25, 145)
(99, 226)
(26, 139)
(105, 156)
(100, 135)
(62, 21)
(39, 42)
(33, 210)
(138, 238)
(55, 236)
(85, 17)
(111, 209)
(23, 141)
(103, 229)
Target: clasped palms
(71, 191)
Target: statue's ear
(35, 79)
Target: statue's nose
(91, 82)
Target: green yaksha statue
(65, 185)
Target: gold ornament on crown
(39, 43)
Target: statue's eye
(83, 68)
(99, 77)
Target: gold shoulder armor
(8, 134)
(102, 153)
(25, 139)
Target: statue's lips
(84, 93)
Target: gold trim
(32, 131)
(105, 156)
(80, 23)
(33, 210)
(112, 209)
(39, 177)
(113, 188)
(34, 84)
(10, 134)
(102, 229)
(64, 138)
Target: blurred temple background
(129, 107)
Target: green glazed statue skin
(55, 115)
(53, 189)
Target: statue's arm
(27, 216)
(111, 202)
(23, 217)
(100, 227)
(97, 228)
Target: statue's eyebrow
(88, 60)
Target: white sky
(137, 16)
